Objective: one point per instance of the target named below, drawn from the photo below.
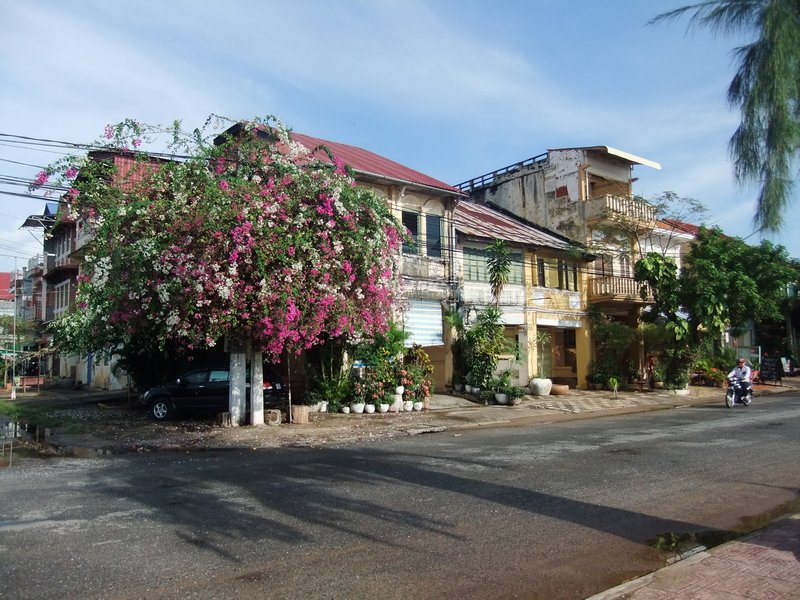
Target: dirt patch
(118, 428)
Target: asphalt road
(560, 510)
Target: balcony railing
(621, 289)
(633, 210)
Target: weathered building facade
(585, 194)
(425, 206)
(545, 293)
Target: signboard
(771, 368)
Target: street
(559, 510)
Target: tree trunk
(238, 384)
(256, 388)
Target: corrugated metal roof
(482, 221)
(368, 163)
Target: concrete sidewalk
(762, 566)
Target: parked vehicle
(739, 392)
(206, 391)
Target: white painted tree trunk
(257, 388)
(238, 385)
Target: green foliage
(725, 282)
(251, 235)
(383, 346)
(612, 342)
(24, 413)
(416, 374)
(498, 265)
(335, 391)
(484, 343)
(766, 88)
(542, 343)
(501, 382)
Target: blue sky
(454, 89)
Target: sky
(453, 89)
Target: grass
(679, 542)
(29, 414)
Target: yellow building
(545, 293)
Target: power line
(16, 162)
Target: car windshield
(218, 376)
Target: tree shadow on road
(291, 497)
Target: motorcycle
(738, 393)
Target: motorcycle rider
(742, 373)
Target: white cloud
(454, 89)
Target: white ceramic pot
(345, 409)
(357, 407)
(369, 408)
(501, 398)
(418, 405)
(383, 407)
(540, 386)
(408, 405)
(459, 387)
(468, 388)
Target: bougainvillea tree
(247, 235)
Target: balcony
(422, 267)
(616, 289)
(61, 266)
(626, 209)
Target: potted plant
(613, 384)
(596, 378)
(514, 394)
(541, 385)
(458, 383)
(363, 389)
(658, 378)
(500, 386)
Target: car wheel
(161, 410)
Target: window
(221, 375)
(567, 276)
(433, 235)
(557, 273)
(625, 267)
(411, 223)
(475, 266)
(61, 294)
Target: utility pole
(14, 336)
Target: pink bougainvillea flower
(41, 178)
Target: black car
(206, 391)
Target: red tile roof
(5, 287)
(681, 226)
(368, 163)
